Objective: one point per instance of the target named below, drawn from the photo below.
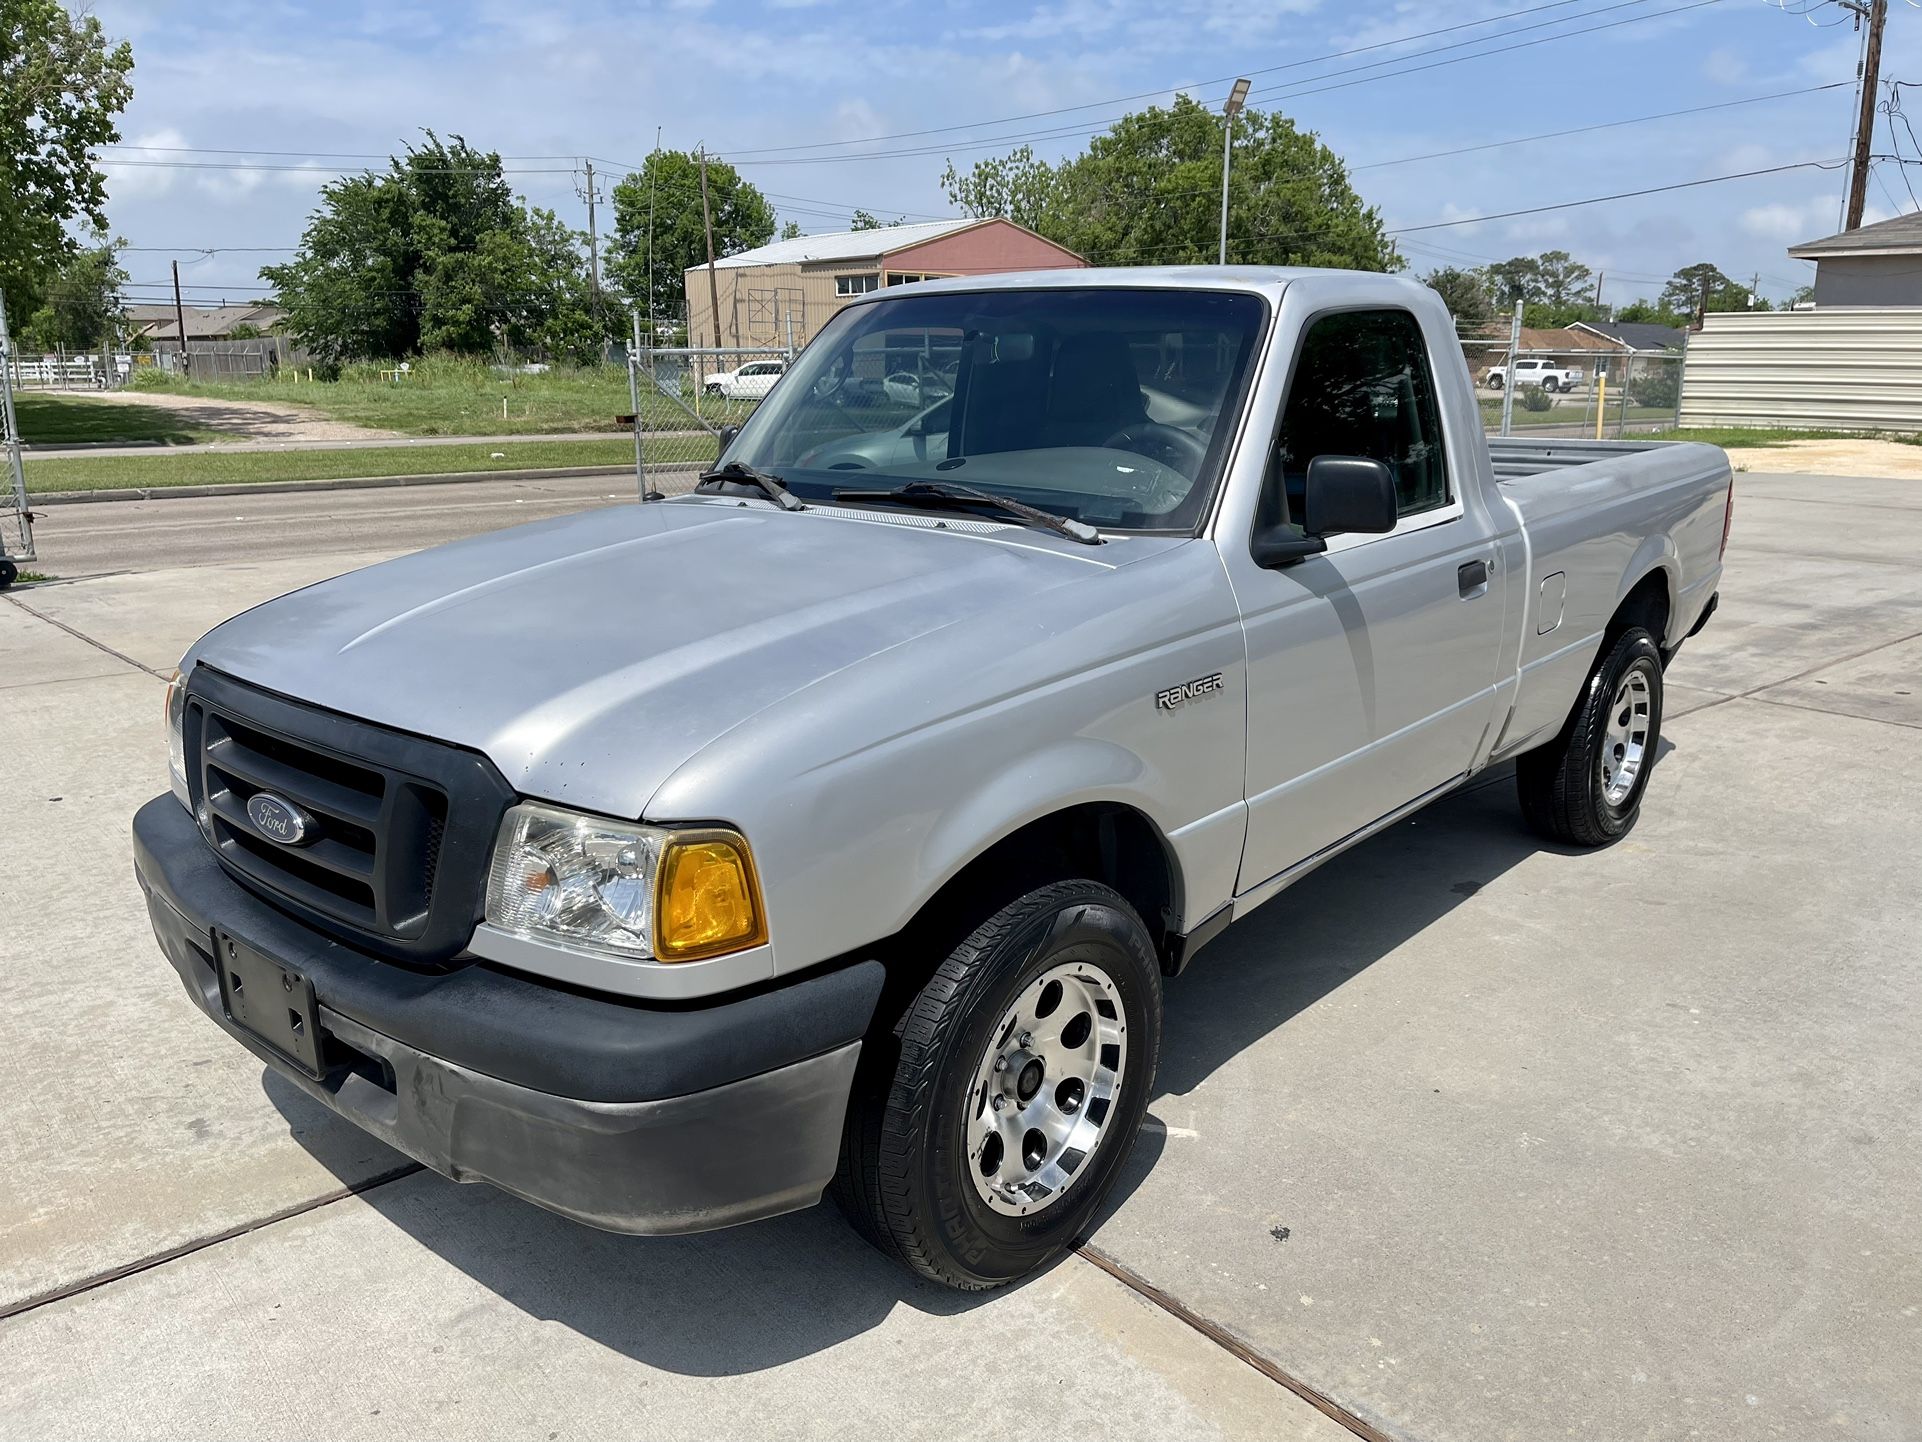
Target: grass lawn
(63, 420)
(1738, 436)
(198, 468)
(444, 396)
(1566, 414)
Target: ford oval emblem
(277, 819)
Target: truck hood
(590, 657)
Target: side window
(1362, 386)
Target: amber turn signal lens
(707, 900)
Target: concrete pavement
(1480, 1140)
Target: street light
(1236, 99)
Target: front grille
(398, 828)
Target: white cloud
(1791, 222)
(1725, 67)
(146, 165)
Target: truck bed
(1591, 514)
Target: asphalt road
(105, 537)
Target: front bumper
(627, 1117)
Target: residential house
(783, 293)
(158, 323)
(1873, 265)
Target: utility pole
(180, 320)
(1876, 12)
(653, 182)
(594, 250)
(707, 224)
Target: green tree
(791, 231)
(61, 86)
(1517, 279)
(1549, 315)
(82, 304)
(1648, 312)
(1015, 187)
(743, 219)
(1564, 279)
(1148, 192)
(436, 253)
(1466, 295)
(1703, 286)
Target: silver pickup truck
(837, 824)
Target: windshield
(1110, 406)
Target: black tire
(1550, 384)
(9, 572)
(1494, 383)
(1564, 794)
(904, 1180)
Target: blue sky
(756, 78)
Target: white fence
(1837, 369)
(69, 372)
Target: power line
(1603, 125)
(1144, 95)
(1623, 195)
(1291, 91)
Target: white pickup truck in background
(837, 824)
(1543, 371)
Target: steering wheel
(1169, 446)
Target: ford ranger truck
(837, 825)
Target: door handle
(1472, 578)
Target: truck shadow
(759, 1296)
(720, 1304)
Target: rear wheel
(1550, 384)
(9, 572)
(1585, 787)
(980, 1146)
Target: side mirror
(726, 438)
(1344, 493)
(1349, 493)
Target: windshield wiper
(944, 493)
(774, 487)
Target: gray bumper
(750, 1147)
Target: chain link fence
(16, 521)
(67, 371)
(1573, 392)
(685, 397)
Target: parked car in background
(837, 824)
(748, 382)
(1549, 374)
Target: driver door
(1370, 667)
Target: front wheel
(1585, 787)
(980, 1149)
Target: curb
(345, 483)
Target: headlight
(176, 710)
(643, 891)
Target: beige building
(783, 293)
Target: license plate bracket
(269, 1001)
